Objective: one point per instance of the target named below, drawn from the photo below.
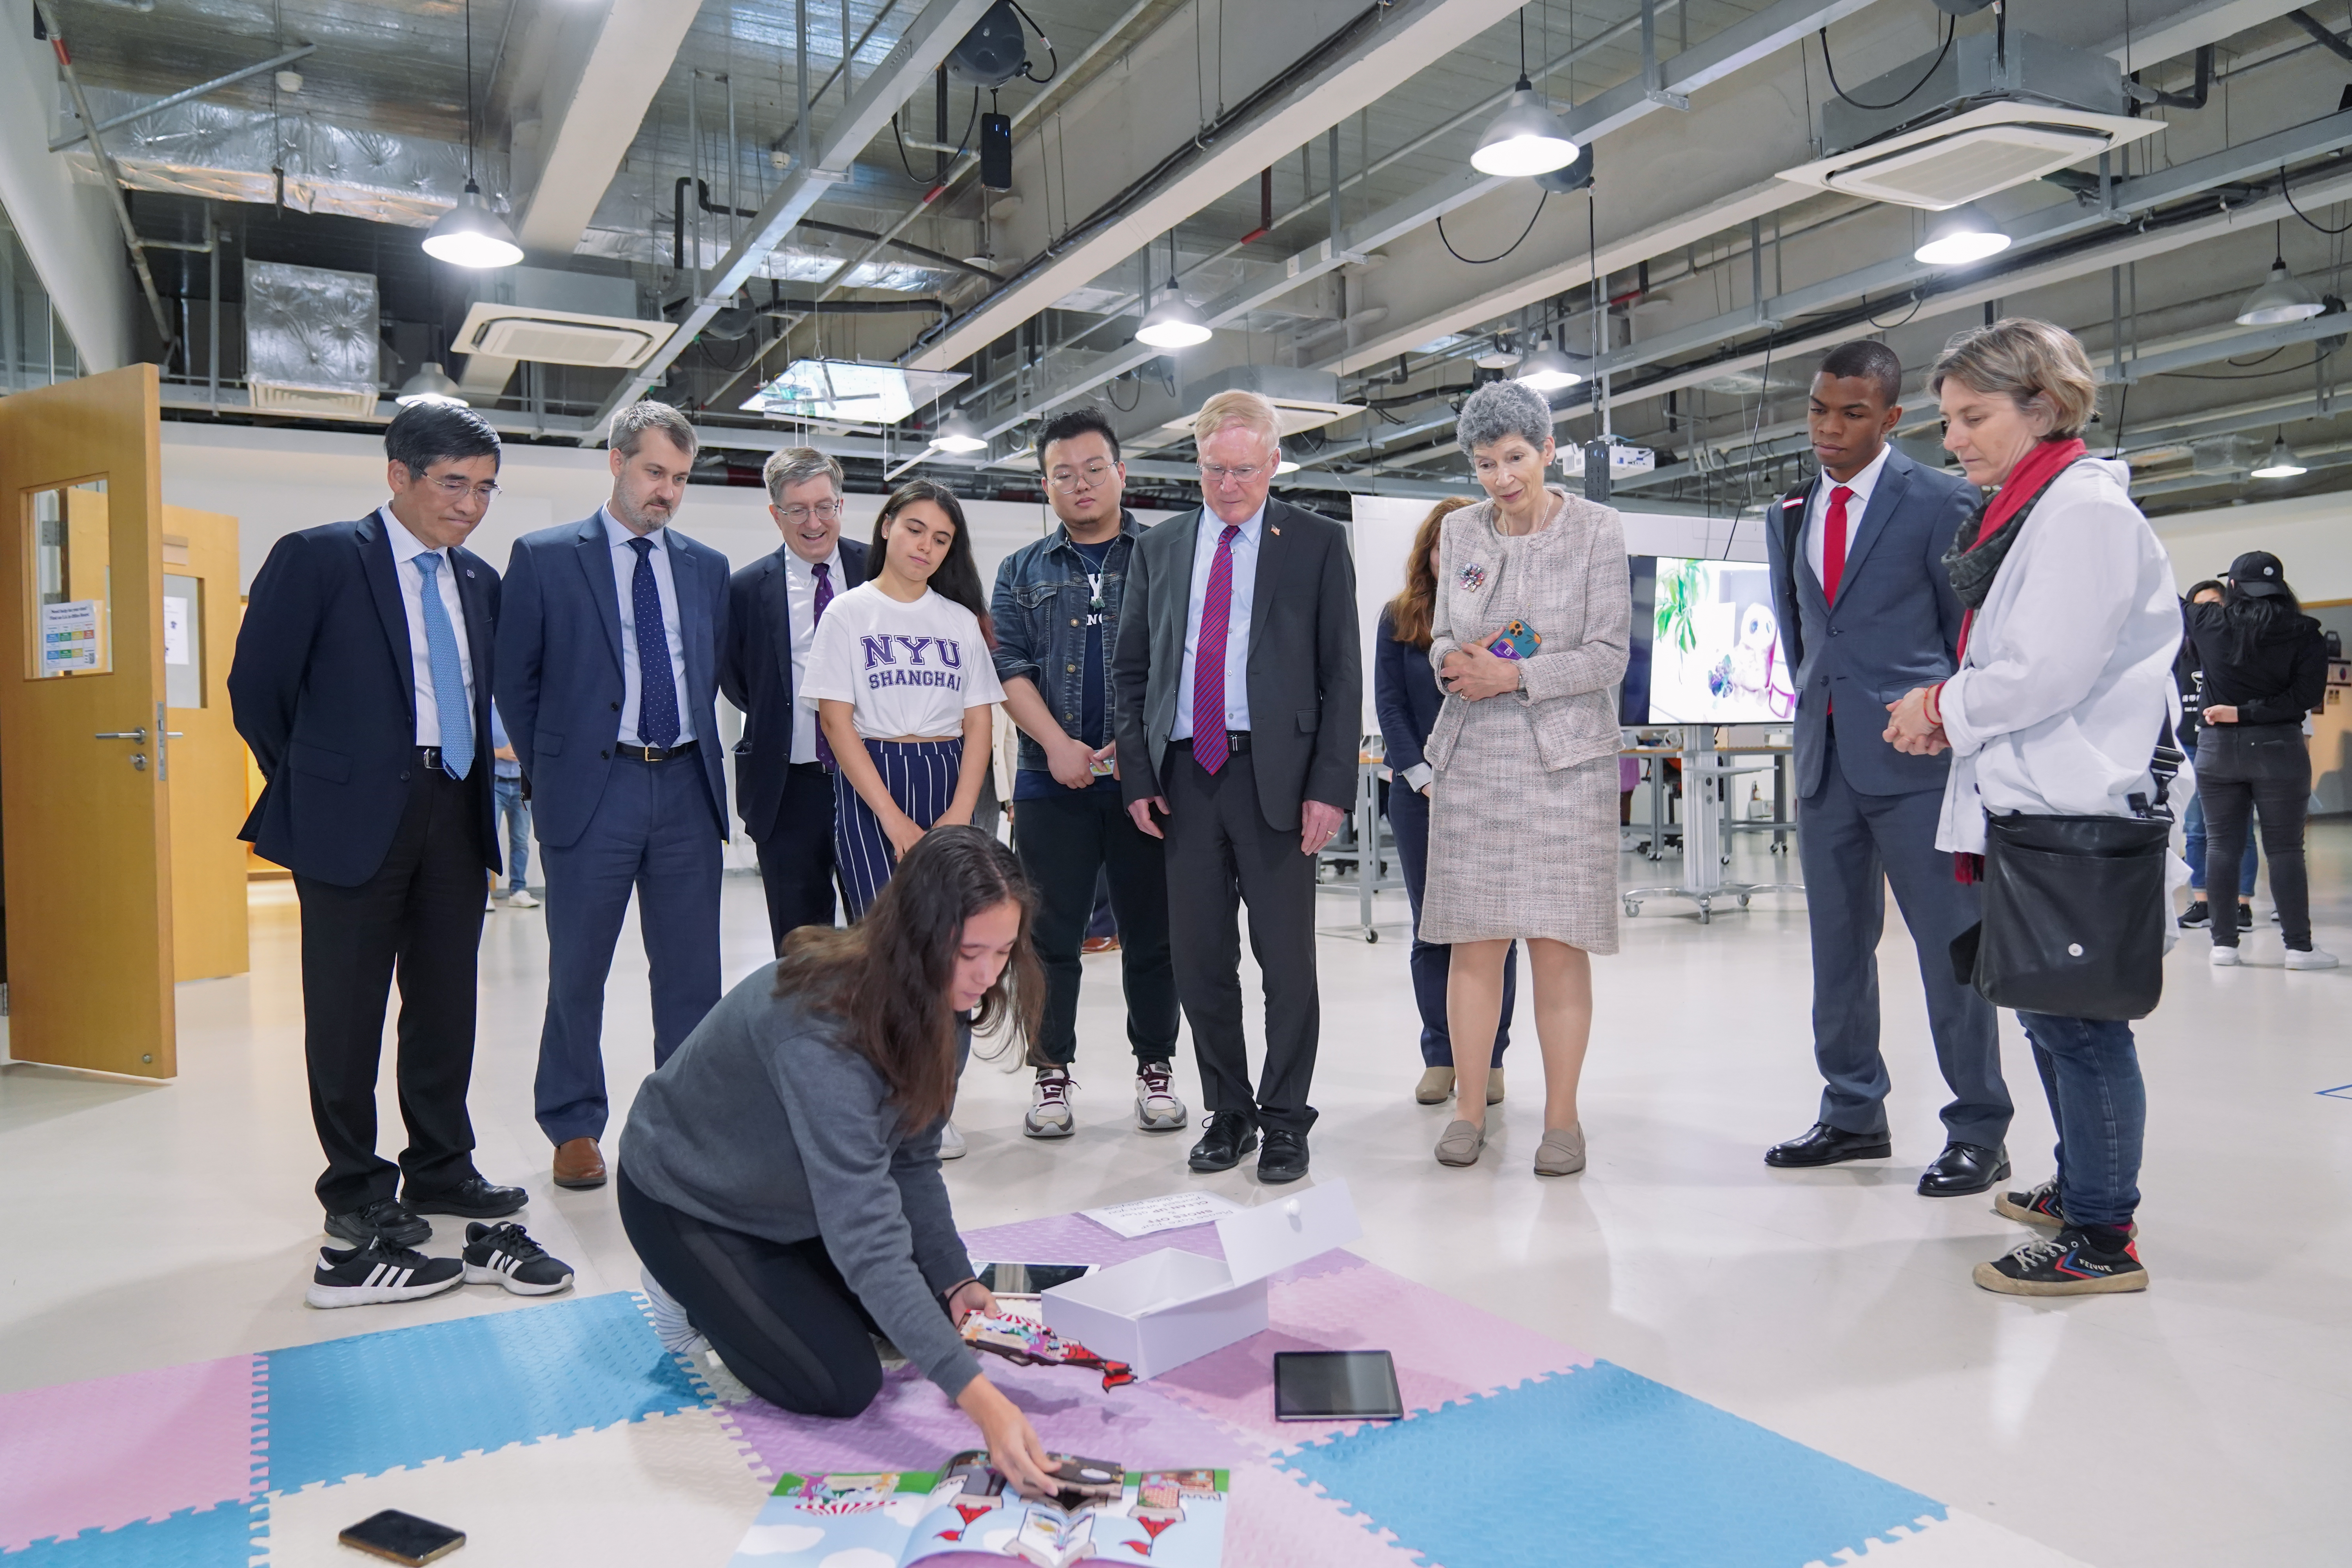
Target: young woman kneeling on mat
(780, 1174)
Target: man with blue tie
(361, 680)
(607, 676)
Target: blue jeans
(514, 812)
(2090, 1071)
(2193, 827)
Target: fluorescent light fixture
(2281, 299)
(2281, 464)
(1172, 323)
(471, 235)
(849, 392)
(1547, 368)
(957, 433)
(430, 385)
(1959, 237)
(1527, 138)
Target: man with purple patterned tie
(608, 678)
(784, 783)
(1239, 712)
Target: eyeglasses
(455, 487)
(1217, 473)
(827, 510)
(1094, 476)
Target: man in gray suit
(1867, 614)
(1238, 708)
(607, 673)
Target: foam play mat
(563, 1432)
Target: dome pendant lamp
(1527, 138)
(2281, 464)
(1172, 323)
(2281, 299)
(958, 434)
(1547, 368)
(470, 234)
(1959, 237)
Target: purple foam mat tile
(141, 1446)
(1075, 1238)
(1276, 1522)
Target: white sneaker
(520, 899)
(950, 1143)
(2310, 958)
(2224, 958)
(677, 1334)
(1157, 1108)
(490, 903)
(1048, 1115)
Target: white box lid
(1289, 1229)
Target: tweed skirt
(1518, 850)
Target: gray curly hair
(1503, 408)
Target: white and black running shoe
(378, 1272)
(506, 1254)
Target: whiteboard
(1385, 527)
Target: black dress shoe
(472, 1198)
(387, 1220)
(1284, 1158)
(1828, 1145)
(1230, 1135)
(1962, 1169)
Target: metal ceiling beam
(942, 25)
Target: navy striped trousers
(921, 776)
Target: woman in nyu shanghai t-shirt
(900, 674)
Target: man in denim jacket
(1056, 611)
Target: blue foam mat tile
(217, 1537)
(1602, 1467)
(360, 1406)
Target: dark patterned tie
(823, 570)
(1210, 748)
(657, 687)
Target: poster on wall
(70, 637)
(1707, 644)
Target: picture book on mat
(1104, 1513)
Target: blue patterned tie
(656, 688)
(448, 674)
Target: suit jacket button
(403, 778)
(613, 705)
(606, 755)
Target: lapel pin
(1277, 532)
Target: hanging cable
(1542, 196)
(1951, 25)
(1054, 67)
(2300, 213)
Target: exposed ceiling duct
(310, 344)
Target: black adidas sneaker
(378, 1272)
(506, 1254)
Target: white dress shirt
(1817, 510)
(800, 600)
(1204, 557)
(625, 573)
(405, 548)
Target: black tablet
(1336, 1386)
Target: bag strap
(2164, 766)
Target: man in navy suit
(361, 682)
(607, 673)
(783, 782)
(1867, 614)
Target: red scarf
(2024, 483)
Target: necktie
(656, 688)
(1210, 748)
(1833, 543)
(823, 570)
(448, 674)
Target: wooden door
(85, 804)
(208, 759)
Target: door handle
(138, 735)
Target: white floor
(2208, 1420)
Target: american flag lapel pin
(1277, 532)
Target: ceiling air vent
(559, 337)
(1306, 399)
(1960, 167)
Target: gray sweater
(760, 1122)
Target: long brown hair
(887, 977)
(1412, 611)
(956, 579)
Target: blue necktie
(656, 688)
(448, 674)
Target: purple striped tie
(823, 570)
(1209, 745)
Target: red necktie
(1833, 544)
(1209, 745)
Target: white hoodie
(2067, 680)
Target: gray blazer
(1304, 667)
(1895, 625)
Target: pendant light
(1527, 138)
(1547, 368)
(2281, 464)
(2281, 299)
(1501, 355)
(1961, 236)
(430, 385)
(1172, 323)
(470, 234)
(958, 434)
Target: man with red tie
(1867, 613)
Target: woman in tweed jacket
(1523, 803)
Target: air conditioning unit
(1306, 399)
(559, 337)
(1987, 117)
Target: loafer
(472, 1198)
(1962, 1169)
(578, 1164)
(1436, 1084)
(1284, 1158)
(1828, 1145)
(1562, 1153)
(1460, 1143)
(387, 1220)
(1228, 1135)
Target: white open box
(1167, 1308)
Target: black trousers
(2248, 769)
(1432, 963)
(1066, 842)
(779, 1314)
(419, 918)
(1222, 853)
(796, 857)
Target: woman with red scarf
(2062, 692)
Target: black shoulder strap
(2164, 766)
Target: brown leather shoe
(578, 1164)
(1099, 944)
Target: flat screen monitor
(1706, 645)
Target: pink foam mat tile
(101, 1454)
(1277, 1523)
